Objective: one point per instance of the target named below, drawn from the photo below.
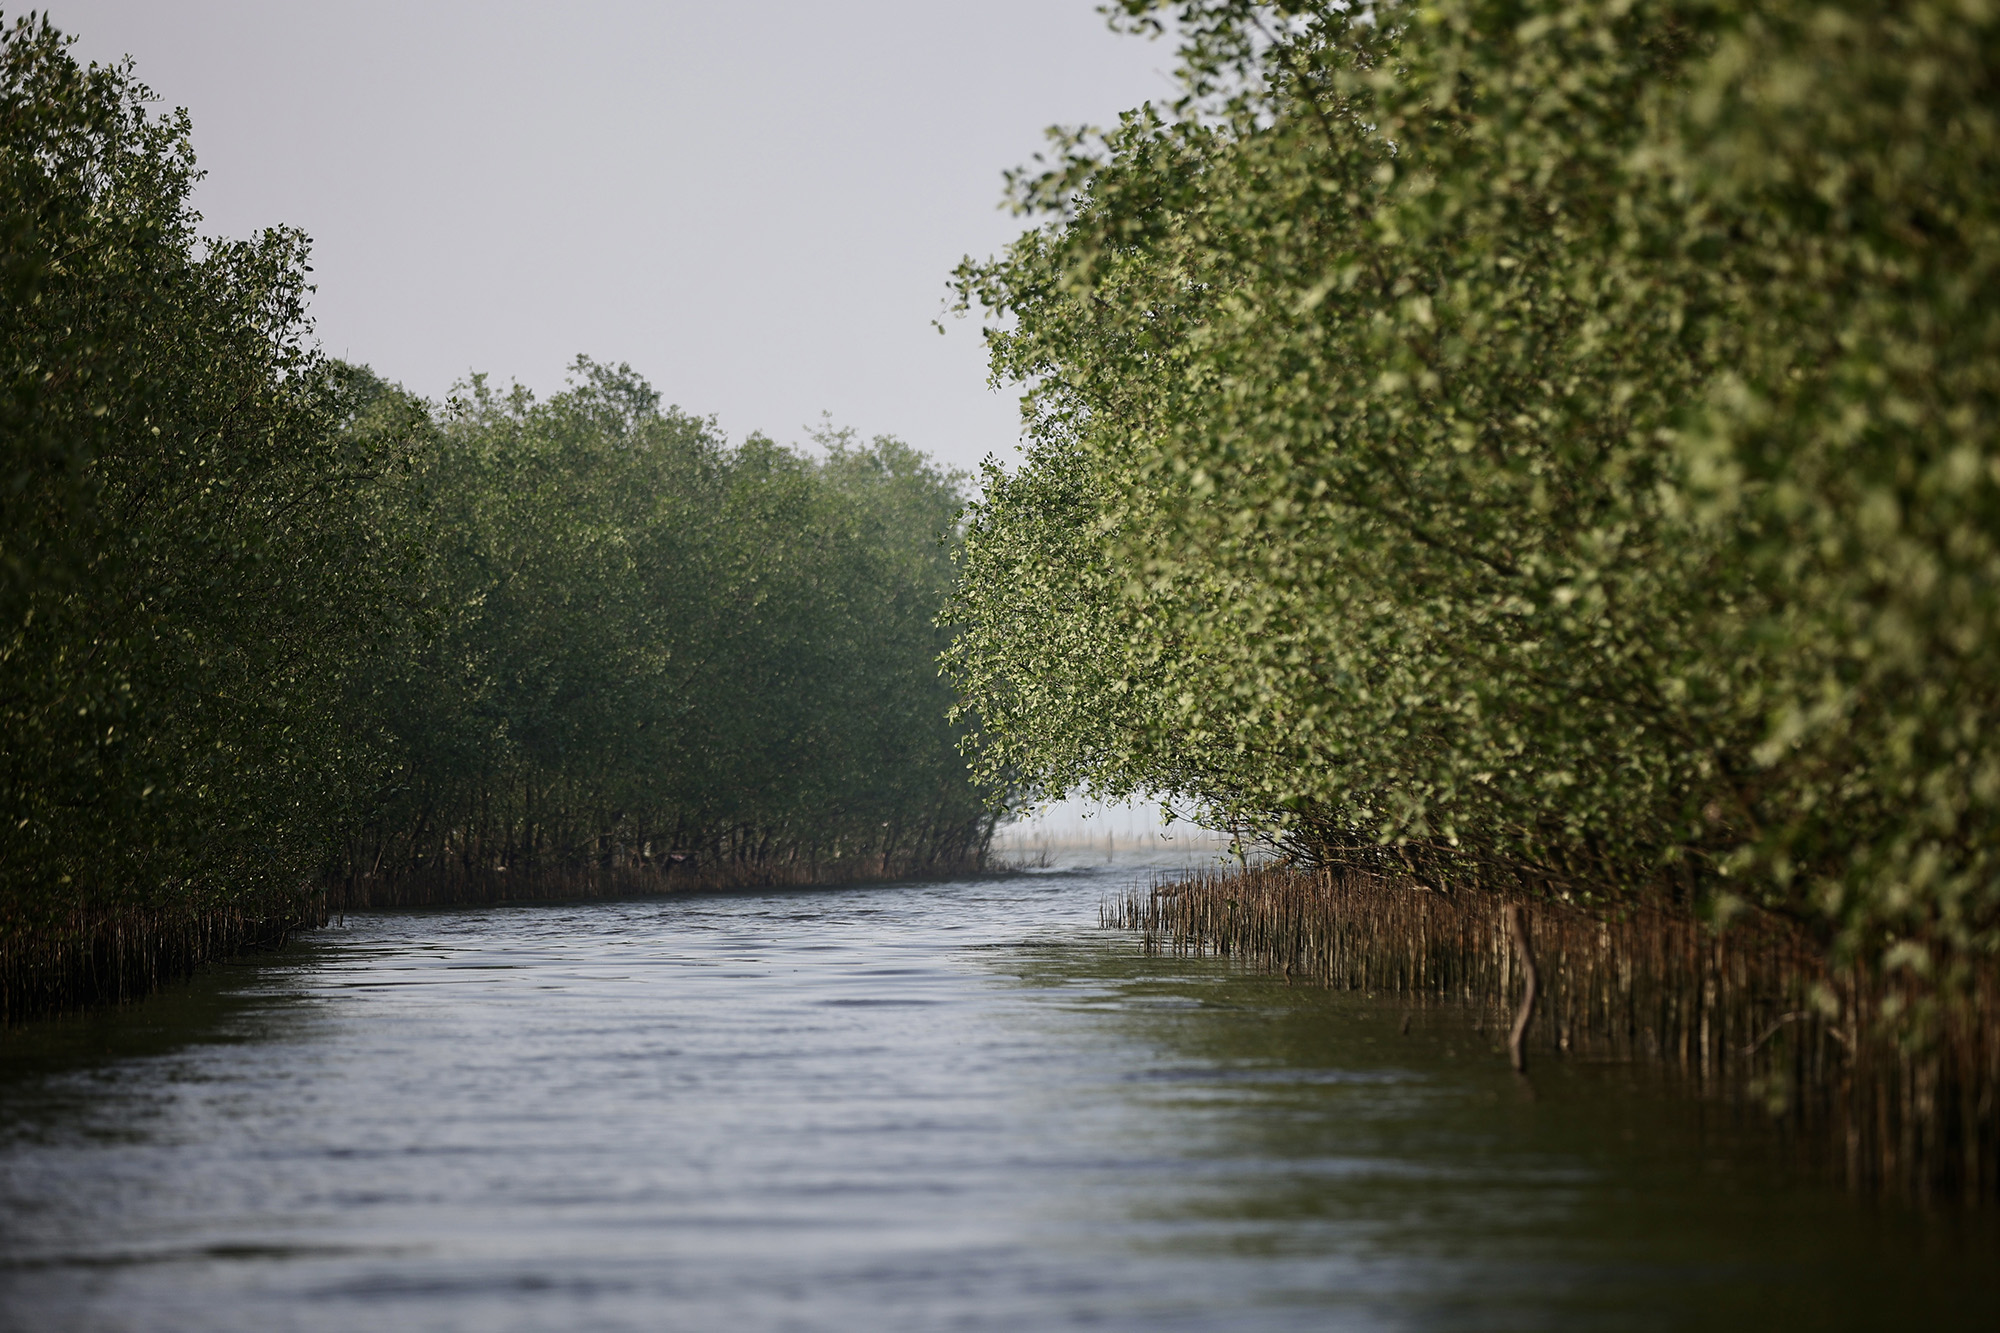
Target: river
(916, 1106)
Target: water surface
(929, 1106)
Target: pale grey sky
(755, 205)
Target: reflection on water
(907, 1107)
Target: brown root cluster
(109, 956)
(1892, 1080)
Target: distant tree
(652, 642)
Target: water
(937, 1106)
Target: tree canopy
(640, 642)
(270, 624)
(1547, 439)
(194, 557)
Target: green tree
(1544, 439)
(651, 643)
(196, 553)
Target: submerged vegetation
(1546, 449)
(275, 635)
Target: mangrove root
(1517, 930)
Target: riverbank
(61, 962)
(1890, 1080)
(453, 884)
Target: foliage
(650, 643)
(195, 554)
(266, 619)
(1549, 438)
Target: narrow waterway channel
(922, 1106)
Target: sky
(757, 207)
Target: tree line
(634, 651)
(272, 628)
(1540, 444)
